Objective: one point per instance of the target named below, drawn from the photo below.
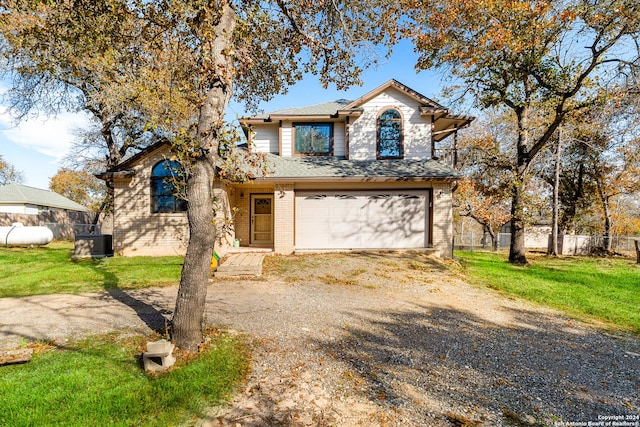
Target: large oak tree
(183, 62)
(542, 60)
(77, 56)
(612, 166)
(483, 157)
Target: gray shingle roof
(324, 109)
(332, 167)
(22, 194)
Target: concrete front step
(241, 264)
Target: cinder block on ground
(159, 356)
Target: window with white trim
(389, 141)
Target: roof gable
(21, 194)
(135, 158)
(421, 99)
(344, 106)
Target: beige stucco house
(342, 175)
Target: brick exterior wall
(284, 226)
(138, 231)
(443, 219)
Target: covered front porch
(260, 216)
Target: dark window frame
(329, 125)
(380, 122)
(163, 192)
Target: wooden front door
(261, 220)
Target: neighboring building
(33, 206)
(343, 175)
(21, 199)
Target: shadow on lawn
(535, 370)
(156, 319)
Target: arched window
(389, 139)
(163, 187)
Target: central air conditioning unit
(93, 246)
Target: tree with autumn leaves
(488, 209)
(542, 61)
(611, 163)
(483, 193)
(8, 173)
(169, 69)
(79, 186)
(175, 65)
(599, 164)
(76, 56)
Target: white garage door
(361, 219)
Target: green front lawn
(50, 270)
(606, 289)
(99, 381)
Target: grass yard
(606, 289)
(50, 269)
(99, 381)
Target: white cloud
(51, 137)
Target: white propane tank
(19, 235)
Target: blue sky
(37, 146)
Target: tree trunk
(493, 236)
(188, 317)
(637, 251)
(517, 249)
(106, 206)
(494, 242)
(553, 249)
(606, 210)
(607, 225)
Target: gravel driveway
(393, 339)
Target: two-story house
(343, 175)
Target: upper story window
(389, 139)
(163, 187)
(313, 139)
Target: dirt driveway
(394, 339)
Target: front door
(261, 220)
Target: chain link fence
(480, 241)
(568, 244)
